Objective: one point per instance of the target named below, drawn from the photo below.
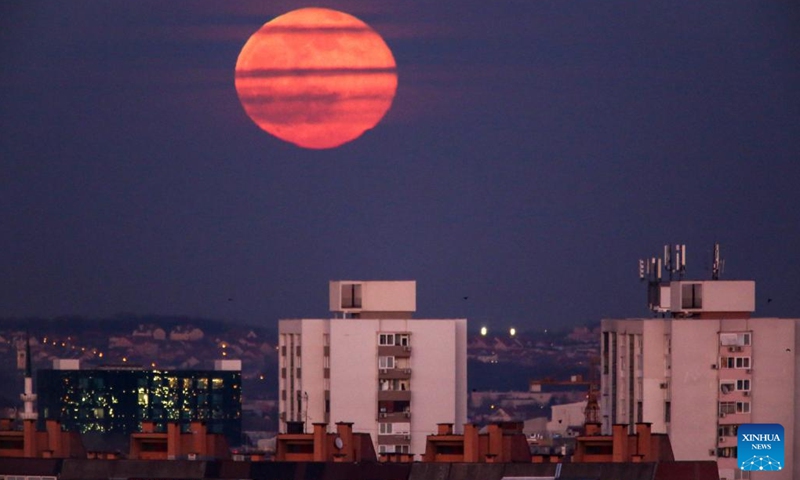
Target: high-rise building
(374, 366)
(120, 399)
(702, 368)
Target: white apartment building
(374, 366)
(702, 369)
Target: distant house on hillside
(186, 333)
(150, 331)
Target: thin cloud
(312, 72)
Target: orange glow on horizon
(315, 77)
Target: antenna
(668, 261)
(718, 264)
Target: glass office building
(118, 400)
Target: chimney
(344, 430)
(173, 440)
(619, 443)
(54, 437)
(148, 426)
(495, 441)
(471, 443)
(444, 429)
(643, 440)
(198, 430)
(320, 442)
(29, 438)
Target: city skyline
(533, 153)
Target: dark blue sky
(534, 152)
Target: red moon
(315, 77)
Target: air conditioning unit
(746, 394)
(713, 366)
(407, 437)
(407, 414)
(384, 370)
(712, 452)
(721, 439)
(406, 349)
(738, 349)
(731, 349)
(722, 415)
(663, 385)
(749, 371)
(383, 415)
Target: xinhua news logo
(760, 447)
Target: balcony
(394, 373)
(394, 351)
(394, 416)
(394, 439)
(394, 395)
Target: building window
(734, 339)
(403, 340)
(283, 350)
(728, 430)
(298, 372)
(385, 362)
(326, 362)
(727, 387)
(726, 408)
(742, 362)
(384, 429)
(283, 372)
(386, 339)
(743, 385)
(692, 295)
(351, 295)
(667, 412)
(297, 350)
(742, 407)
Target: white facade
(566, 415)
(394, 378)
(697, 379)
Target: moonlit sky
(534, 152)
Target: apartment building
(373, 365)
(701, 369)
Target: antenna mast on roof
(718, 264)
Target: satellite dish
(338, 443)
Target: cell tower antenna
(718, 264)
(668, 265)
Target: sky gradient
(535, 150)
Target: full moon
(315, 77)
